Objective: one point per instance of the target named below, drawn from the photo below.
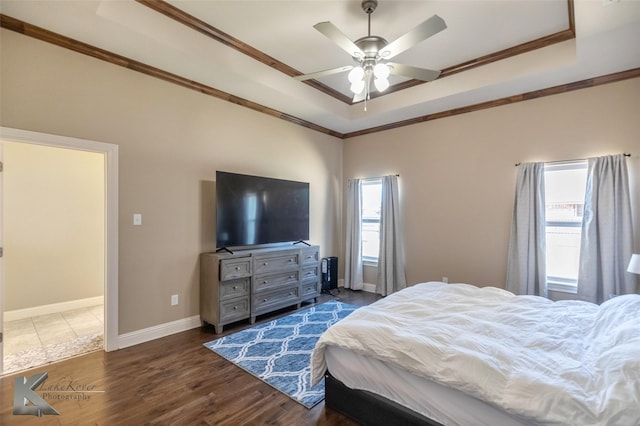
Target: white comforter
(545, 362)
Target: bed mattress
(542, 362)
(437, 402)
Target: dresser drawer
(311, 288)
(310, 256)
(235, 288)
(267, 282)
(234, 310)
(235, 268)
(267, 301)
(280, 261)
(310, 273)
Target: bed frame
(368, 408)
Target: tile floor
(38, 332)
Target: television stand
(244, 284)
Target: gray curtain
(353, 252)
(526, 267)
(607, 235)
(391, 276)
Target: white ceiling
(607, 41)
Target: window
(564, 206)
(371, 205)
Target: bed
(456, 354)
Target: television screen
(253, 210)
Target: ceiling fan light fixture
(356, 75)
(381, 84)
(381, 71)
(372, 52)
(357, 86)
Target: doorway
(106, 155)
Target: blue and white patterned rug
(279, 352)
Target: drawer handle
(265, 282)
(235, 308)
(290, 277)
(235, 287)
(264, 300)
(290, 260)
(265, 263)
(237, 268)
(290, 293)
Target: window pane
(370, 239)
(563, 252)
(564, 194)
(371, 199)
(564, 208)
(371, 204)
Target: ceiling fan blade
(318, 74)
(413, 72)
(431, 26)
(334, 34)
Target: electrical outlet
(137, 219)
(174, 300)
(445, 279)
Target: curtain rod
(570, 161)
(377, 177)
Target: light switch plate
(137, 219)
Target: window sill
(370, 263)
(562, 287)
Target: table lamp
(634, 264)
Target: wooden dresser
(249, 283)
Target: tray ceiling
(269, 41)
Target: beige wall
(53, 218)
(171, 141)
(457, 174)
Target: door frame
(110, 152)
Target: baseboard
(371, 288)
(53, 308)
(158, 331)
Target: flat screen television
(254, 210)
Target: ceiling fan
(372, 54)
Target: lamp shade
(634, 264)
(356, 74)
(357, 86)
(381, 71)
(381, 84)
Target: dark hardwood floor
(174, 380)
